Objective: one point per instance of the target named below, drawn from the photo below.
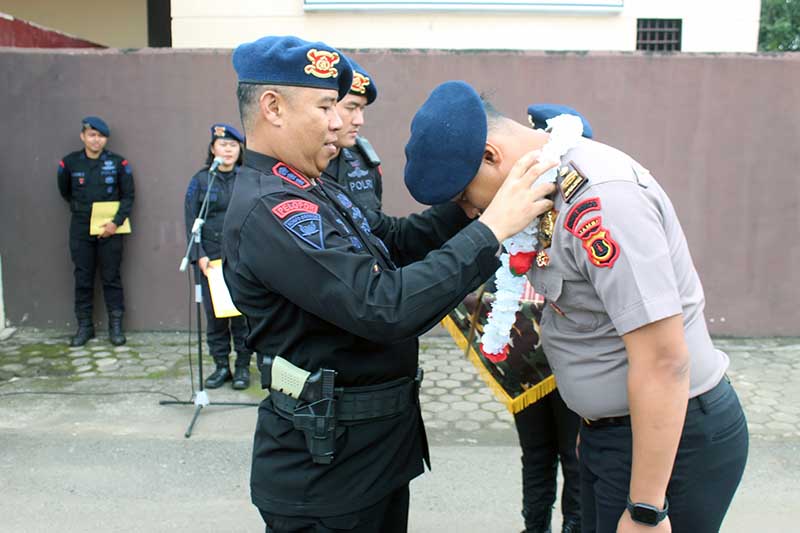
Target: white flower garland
(565, 132)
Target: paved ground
(119, 459)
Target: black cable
(64, 393)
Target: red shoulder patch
(61, 163)
(124, 162)
(602, 249)
(577, 211)
(290, 175)
(284, 209)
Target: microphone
(216, 163)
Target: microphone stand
(201, 398)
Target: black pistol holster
(315, 415)
(321, 411)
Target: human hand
(204, 266)
(627, 525)
(517, 203)
(109, 229)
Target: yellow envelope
(104, 212)
(220, 297)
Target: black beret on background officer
(95, 174)
(664, 440)
(327, 286)
(356, 166)
(227, 143)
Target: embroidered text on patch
(322, 63)
(575, 214)
(284, 209)
(307, 226)
(287, 173)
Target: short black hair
(494, 118)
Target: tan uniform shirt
(618, 261)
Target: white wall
(708, 26)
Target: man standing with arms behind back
(335, 298)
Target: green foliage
(780, 26)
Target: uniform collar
(261, 162)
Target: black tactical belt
(358, 404)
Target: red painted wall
(21, 34)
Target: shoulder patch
(573, 180)
(290, 175)
(577, 211)
(308, 227)
(284, 209)
(602, 249)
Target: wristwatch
(646, 514)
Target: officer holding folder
(94, 174)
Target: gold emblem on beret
(322, 63)
(219, 131)
(360, 83)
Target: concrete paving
(107, 457)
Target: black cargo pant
(708, 467)
(548, 431)
(220, 330)
(86, 250)
(390, 515)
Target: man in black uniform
(356, 166)
(95, 174)
(328, 287)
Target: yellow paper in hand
(220, 297)
(103, 213)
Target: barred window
(659, 35)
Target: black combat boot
(115, 333)
(220, 375)
(84, 333)
(241, 378)
(571, 525)
(241, 375)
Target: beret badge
(322, 63)
(219, 131)
(360, 83)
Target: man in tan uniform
(664, 440)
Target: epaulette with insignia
(570, 181)
(368, 152)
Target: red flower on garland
(496, 357)
(520, 262)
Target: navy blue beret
(539, 114)
(289, 60)
(363, 84)
(225, 131)
(96, 123)
(448, 138)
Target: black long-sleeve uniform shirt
(324, 284)
(219, 196)
(82, 181)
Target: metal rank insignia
(571, 181)
(547, 225)
(542, 259)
